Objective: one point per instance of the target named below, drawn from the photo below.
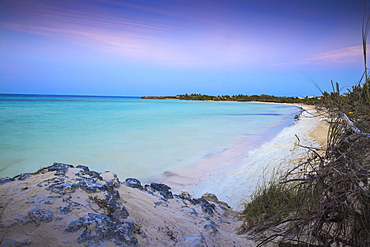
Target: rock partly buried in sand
(73, 206)
(133, 183)
(163, 189)
(60, 193)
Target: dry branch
(352, 126)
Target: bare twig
(352, 126)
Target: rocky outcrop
(73, 206)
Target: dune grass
(324, 201)
(274, 203)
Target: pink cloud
(347, 54)
(162, 40)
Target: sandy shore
(62, 205)
(234, 173)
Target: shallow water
(132, 137)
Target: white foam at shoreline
(240, 183)
(234, 175)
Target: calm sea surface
(132, 137)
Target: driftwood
(352, 126)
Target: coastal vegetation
(325, 200)
(312, 100)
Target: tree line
(242, 98)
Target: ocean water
(129, 136)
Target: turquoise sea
(129, 136)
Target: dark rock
(211, 227)
(57, 185)
(12, 242)
(57, 166)
(133, 183)
(122, 212)
(87, 187)
(66, 198)
(100, 227)
(112, 193)
(39, 215)
(193, 211)
(6, 180)
(124, 232)
(76, 225)
(164, 204)
(65, 210)
(185, 195)
(89, 184)
(74, 204)
(23, 176)
(206, 206)
(94, 229)
(117, 208)
(160, 187)
(94, 174)
(98, 217)
(213, 198)
(84, 237)
(163, 189)
(210, 197)
(60, 168)
(84, 168)
(114, 182)
(67, 186)
(30, 201)
(54, 197)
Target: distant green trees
(249, 98)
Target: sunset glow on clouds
(112, 47)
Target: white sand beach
(71, 206)
(234, 173)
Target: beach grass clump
(273, 203)
(266, 204)
(324, 201)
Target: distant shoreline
(309, 100)
(160, 97)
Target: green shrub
(275, 202)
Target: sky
(170, 47)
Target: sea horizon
(70, 95)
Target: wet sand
(234, 173)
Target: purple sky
(157, 47)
